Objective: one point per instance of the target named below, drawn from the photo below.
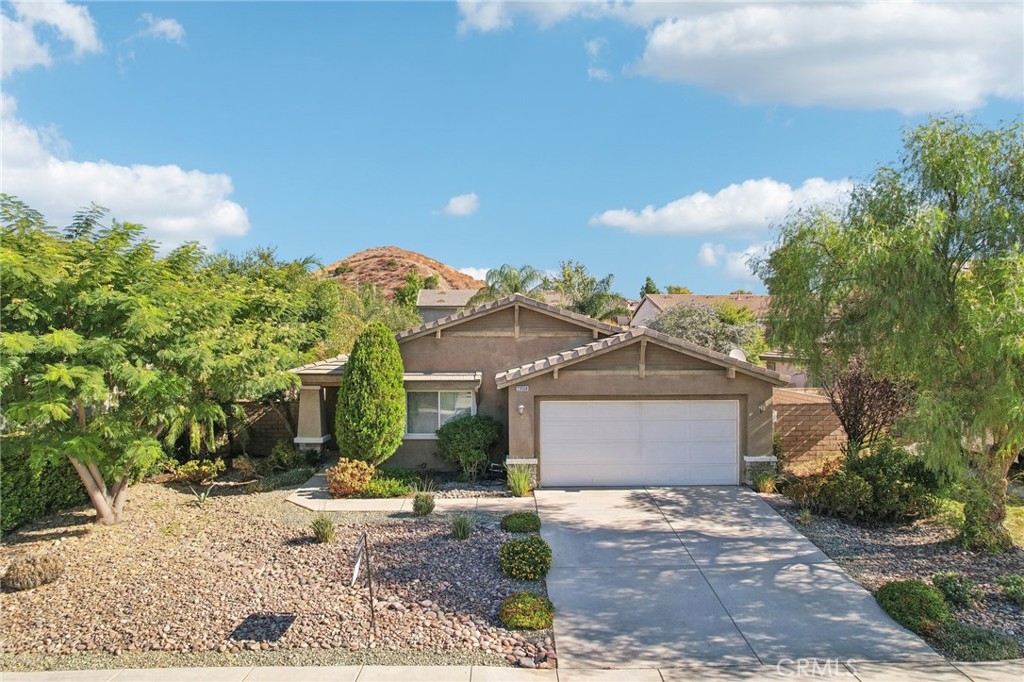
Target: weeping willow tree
(921, 274)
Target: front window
(427, 411)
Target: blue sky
(655, 139)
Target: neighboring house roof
(329, 366)
(515, 375)
(501, 303)
(757, 303)
(444, 298)
(459, 298)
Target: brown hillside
(386, 266)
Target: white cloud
(910, 56)
(744, 208)
(597, 74)
(733, 264)
(476, 273)
(594, 49)
(176, 205)
(22, 48)
(462, 205)
(159, 28)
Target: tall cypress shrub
(370, 419)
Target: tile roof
(329, 366)
(573, 355)
(757, 303)
(444, 298)
(505, 302)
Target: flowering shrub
(525, 559)
(348, 477)
(527, 611)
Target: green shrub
(199, 471)
(323, 528)
(465, 441)
(901, 486)
(348, 477)
(379, 488)
(29, 572)
(528, 558)
(804, 517)
(521, 522)
(284, 456)
(526, 611)
(519, 478)
(958, 589)
(1013, 588)
(914, 604)
(285, 479)
(964, 642)
(422, 504)
(844, 494)
(370, 417)
(805, 491)
(246, 465)
(764, 481)
(26, 493)
(462, 526)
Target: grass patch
(951, 513)
(964, 642)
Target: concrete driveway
(675, 576)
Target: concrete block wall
(810, 429)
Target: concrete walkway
(1002, 671)
(313, 495)
(702, 575)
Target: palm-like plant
(508, 280)
(584, 293)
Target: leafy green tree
(584, 293)
(406, 294)
(673, 289)
(649, 287)
(741, 292)
(722, 328)
(370, 304)
(370, 417)
(922, 275)
(508, 280)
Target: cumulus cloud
(22, 47)
(159, 28)
(739, 209)
(594, 49)
(462, 205)
(732, 264)
(476, 273)
(175, 204)
(910, 56)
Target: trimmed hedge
(521, 522)
(914, 604)
(525, 559)
(29, 494)
(466, 441)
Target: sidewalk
(1001, 671)
(313, 495)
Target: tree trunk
(108, 507)
(985, 506)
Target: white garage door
(650, 442)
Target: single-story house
(653, 305)
(585, 402)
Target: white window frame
(433, 435)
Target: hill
(387, 266)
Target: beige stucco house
(587, 403)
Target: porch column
(312, 432)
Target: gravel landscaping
(240, 581)
(875, 555)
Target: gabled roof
(500, 304)
(756, 303)
(515, 375)
(333, 365)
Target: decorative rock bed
(241, 576)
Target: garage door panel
(610, 443)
